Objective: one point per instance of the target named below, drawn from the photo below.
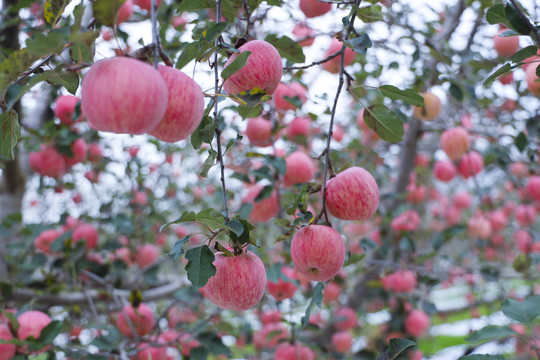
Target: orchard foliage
(254, 179)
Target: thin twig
(526, 21)
(330, 57)
(155, 35)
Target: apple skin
(318, 252)
(416, 323)
(259, 131)
(342, 341)
(462, 200)
(533, 82)
(352, 194)
(185, 106)
(455, 142)
(7, 351)
(65, 107)
(271, 316)
(432, 107)
(263, 69)
(471, 164)
(125, 12)
(44, 240)
(31, 323)
(333, 65)
(505, 46)
(300, 169)
(47, 162)
(533, 187)
(263, 210)
(239, 282)
(314, 8)
(345, 319)
(331, 293)
(87, 232)
(151, 352)
(292, 90)
(402, 281)
(286, 351)
(115, 100)
(142, 320)
(305, 36)
(146, 254)
(299, 127)
(444, 170)
(479, 227)
(523, 240)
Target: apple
(479, 227)
(416, 323)
(262, 210)
(523, 240)
(452, 215)
(47, 162)
(431, 109)
(300, 169)
(318, 252)
(179, 21)
(141, 318)
(471, 164)
(180, 315)
(263, 69)
(125, 12)
(506, 78)
(333, 65)
(314, 8)
(270, 335)
(462, 200)
(146, 254)
(416, 193)
(533, 187)
(187, 342)
(455, 142)
(239, 282)
(352, 194)
(185, 106)
(401, 281)
(7, 351)
(146, 4)
(87, 232)
(270, 316)
(65, 107)
(31, 323)
(299, 127)
(281, 289)
(338, 133)
(408, 220)
(286, 351)
(497, 219)
(148, 352)
(444, 170)
(95, 153)
(505, 46)
(533, 82)
(525, 214)
(115, 100)
(305, 36)
(292, 90)
(44, 240)
(519, 170)
(331, 293)
(259, 131)
(79, 150)
(345, 319)
(342, 341)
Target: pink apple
(263, 69)
(318, 252)
(95, 154)
(342, 341)
(416, 193)
(31, 323)
(304, 35)
(533, 187)
(79, 150)
(523, 240)
(146, 254)
(462, 200)
(7, 351)
(239, 282)
(452, 215)
(533, 82)
(87, 232)
(125, 12)
(455, 142)
(141, 318)
(47, 162)
(471, 164)
(505, 46)
(408, 220)
(432, 107)
(270, 335)
(345, 318)
(479, 227)
(185, 106)
(178, 22)
(286, 351)
(332, 65)
(271, 316)
(519, 170)
(402, 281)
(65, 107)
(352, 194)
(44, 240)
(506, 78)
(262, 210)
(259, 131)
(292, 90)
(123, 95)
(180, 315)
(151, 352)
(314, 8)
(281, 289)
(338, 133)
(300, 169)
(331, 293)
(444, 170)
(299, 127)
(498, 219)
(187, 342)
(146, 4)
(416, 323)
(525, 214)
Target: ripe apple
(401, 281)
(146, 4)
(332, 65)
(462, 200)
(345, 319)
(7, 351)
(444, 170)
(179, 21)
(47, 162)
(533, 187)
(292, 90)
(300, 168)
(65, 107)
(352, 194)
(270, 335)
(180, 315)
(31, 323)
(342, 341)
(263, 69)
(416, 193)
(497, 219)
(455, 142)
(479, 227)
(239, 282)
(141, 318)
(304, 35)
(452, 215)
(416, 323)
(525, 214)
(505, 46)
(314, 8)
(506, 78)
(125, 12)
(262, 210)
(187, 342)
(151, 352)
(523, 240)
(431, 109)
(408, 220)
(299, 127)
(44, 240)
(259, 131)
(519, 170)
(533, 82)
(318, 252)
(79, 150)
(281, 289)
(185, 106)
(471, 164)
(146, 254)
(286, 351)
(270, 316)
(87, 232)
(115, 100)
(331, 293)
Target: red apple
(471, 164)
(318, 252)
(416, 193)
(271, 316)
(44, 240)
(408, 220)
(146, 254)
(79, 150)
(292, 90)
(525, 214)
(281, 289)
(444, 170)
(462, 200)
(188, 342)
(146, 4)
(47, 162)
(65, 107)
(304, 35)
(115, 100)
(31, 323)
(300, 169)
(455, 142)
(416, 323)
(270, 335)
(431, 109)
(7, 351)
(151, 352)
(479, 227)
(263, 69)
(314, 8)
(505, 46)
(125, 12)
(402, 281)
(533, 187)
(352, 194)
(239, 282)
(506, 78)
(342, 341)
(345, 319)
(185, 106)
(178, 22)
(259, 131)
(533, 82)
(87, 232)
(262, 210)
(332, 65)
(141, 318)
(331, 293)
(299, 127)
(286, 351)
(523, 240)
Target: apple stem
(155, 35)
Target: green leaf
(482, 357)
(497, 15)
(524, 53)
(265, 192)
(105, 11)
(178, 248)
(525, 312)
(316, 300)
(14, 66)
(288, 48)
(370, 14)
(108, 342)
(190, 52)
(396, 348)
(185, 217)
(200, 265)
(500, 71)
(249, 112)
(41, 44)
(251, 97)
(359, 44)
(50, 332)
(208, 163)
(489, 333)
(521, 141)
(10, 133)
(518, 24)
(409, 96)
(236, 226)
(199, 353)
(384, 122)
(53, 9)
(238, 63)
(204, 133)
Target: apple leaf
(500, 71)
(524, 53)
(178, 248)
(287, 47)
(53, 9)
(409, 96)
(251, 97)
(482, 357)
(200, 265)
(384, 122)
(13, 66)
(237, 64)
(10, 133)
(105, 11)
(370, 14)
(359, 44)
(208, 163)
(497, 15)
(316, 300)
(525, 312)
(396, 348)
(489, 333)
(199, 353)
(518, 24)
(50, 332)
(521, 141)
